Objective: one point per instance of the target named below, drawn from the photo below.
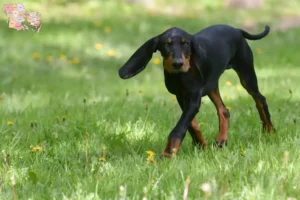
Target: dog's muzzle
(177, 63)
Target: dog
(193, 65)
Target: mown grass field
(72, 129)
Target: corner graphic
(18, 17)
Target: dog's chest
(182, 83)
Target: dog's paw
(166, 155)
(268, 129)
(221, 144)
(199, 145)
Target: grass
(94, 129)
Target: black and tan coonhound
(193, 65)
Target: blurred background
(83, 43)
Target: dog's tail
(255, 37)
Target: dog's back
(216, 31)
(219, 41)
(223, 41)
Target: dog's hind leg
(223, 115)
(196, 134)
(245, 69)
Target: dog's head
(175, 46)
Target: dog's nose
(177, 64)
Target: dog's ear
(199, 54)
(139, 60)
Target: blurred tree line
(247, 4)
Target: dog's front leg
(176, 136)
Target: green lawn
(64, 95)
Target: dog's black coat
(209, 53)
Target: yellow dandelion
(98, 46)
(10, 123)
(190, 16)
(228, 83)
(111, 53)
(97, 24)
(259, 50)
(36, 55)
(228, 107)
(149, 152)
(239, 88)
(107, 29)
(62, 56)
(150, 158)
(140, 91)
(74, 61)
(50, 58)
(174, 98)
(35, 148)
(156, 61)
(101, 159)
(202, 123)
(94, 100)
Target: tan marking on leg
(196, 134)
(222, 114)
(261, 111)
(263, 116)
(223, 124)
(172, 147)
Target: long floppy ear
(199, 55)
(139, 60)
